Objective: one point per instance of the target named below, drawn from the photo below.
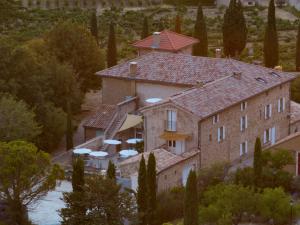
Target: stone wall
(229, 149)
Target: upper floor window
(281, 105)
(267, 136)
(243, 106)
(216, 118)
(171, 120)
(221, 134)
(243, 123)
(243, 148)
(268, 111)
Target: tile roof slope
(169, 41)
(102, 117)
(173, 68)
(218, 95)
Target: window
(221, 134)
(243, 148)
(215, 119)
(243, 106)
(261, 80)
(268, 111)
(281, 105)
(243, 123)
(171, 121)
(267, 135)
(172, 144)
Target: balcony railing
(170, 125)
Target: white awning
(131, 121)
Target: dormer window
(261, 80)
(243, 106)
(215, 118)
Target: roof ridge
(182, 35)
(170, 40)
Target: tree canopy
(201, 48)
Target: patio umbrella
(128, 153)
(98, 158)
(153, 100)
(134, 141)
(98, 154)
(82, 151)
(112, 142)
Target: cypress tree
(111, 171)
(142, 193)
(257, 162)
(298, 51)
(201, 48)
(234, 29)
(191, 200)
(151, 181)
(271, 39)
(94, 26)
(78, 175)
(111, 47)
(178, 24)
(145, 31)
(69, 130)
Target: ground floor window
(172, 143)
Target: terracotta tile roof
(221, 94)
(164, 158)
(169, 41)
(295, 112)
(182, 69)
(102, 117)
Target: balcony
(170, 125)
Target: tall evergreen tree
(298, 51)
(191, 200)
(234, 29)
(69, 130)
(201, 48)
(271, 39)
(78, 175)
(142, 193)
(111, 171)
(178, 24)
(145, 31)
(152, 187)
(94, 26)
(111, 47)
(257, 162)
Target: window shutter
(241, 149)
(241, 106)
(223, 133)
(278, 105)
(270, 134)
(265, 112)
(246, 104)
(270, 110)
(265, 137)
(246, 121)
(241, 123)
(218, 118)
(283, 107)
(246, 146)
(218, 134)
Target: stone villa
(208, 110)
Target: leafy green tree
(142, 193)
(94, 26)
(111, 54)
(81, 52)
(152, 189)
(201, 48)
(222, 204)
(17, 121)
(234, 29)
(26, 175)
(145, 31)
(271, 39)
(244, 177)
(257, 162)
(295, 90)
(298, 50)
(191, 200)
(111, 171)
(178, 24)
(9, 11)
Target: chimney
(218, 53)
(132, 69)
(199, 84)
(156, 40)
(279, 68)
(237, 75)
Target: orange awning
(174, 136)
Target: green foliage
(111, 54)
(201, 48)
(78, 175)
(234, 29)
(94, 26)
(257, 162)
(271, 39)
(191, 200)
(17, 120)
(81, 52)
(111, 171)
(298, 50)
(295, 90)
(26, 175)
(142, 193)
(244, 177)
(170, 205)
(226, 204)
(151, 191)
(177, 27)
(145, 31)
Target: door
(273, 135)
